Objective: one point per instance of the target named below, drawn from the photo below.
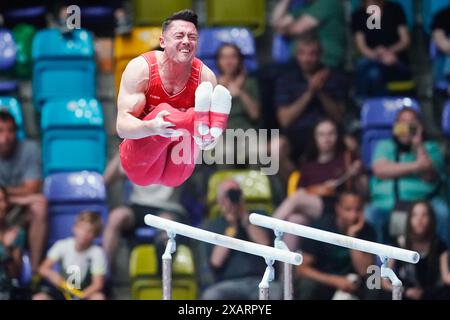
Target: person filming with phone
(236, 274)
(406, 168)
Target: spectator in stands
(155, 199)
(12, 242)
(406, 168)
(306, 92)
(383, 49)
(245, 109)
(429, 279)
(441, 34)
(236, 274)
(327, 167)
(82, 264)
(328, 269)
(324, 17)
(20, 173)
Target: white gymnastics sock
(203, 98)
(220, 109)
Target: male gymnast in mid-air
(165, 97)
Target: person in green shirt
(326, 18)
(407, 168)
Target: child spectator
(82, 264)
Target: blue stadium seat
(446, 119)
(63, 65)
(210, 39)
(439, 68)
(8, 50)
(281, 51)
(429, 10)
(96, 14)
(8, 54)
(67, 195)
(11, 105)
(25, 273)
(27, 15)
(73, 136)
(377, 117)
(145, 234)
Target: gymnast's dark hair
(185, 15)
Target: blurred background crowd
(364, 120)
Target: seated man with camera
(406, 169)
(236, 274)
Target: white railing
(385, 252)
(173, 228)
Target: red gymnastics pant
(150, 160)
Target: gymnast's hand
(158, 126)
(344, 284)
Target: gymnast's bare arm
(208, 75)
(131, 102)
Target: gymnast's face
(349, 210)
(180, 41)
